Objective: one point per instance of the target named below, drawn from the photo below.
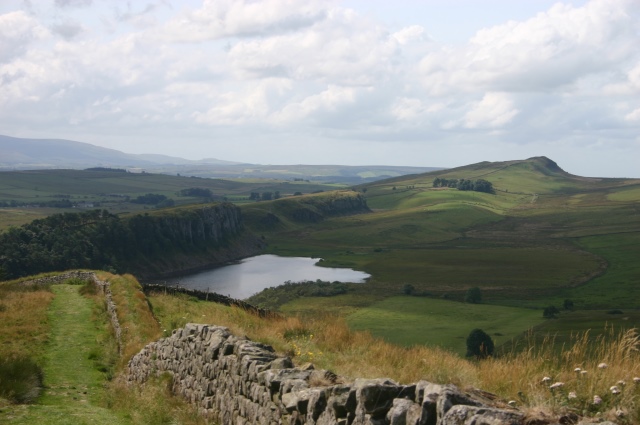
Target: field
(543, 237)
(114, 191)
(409, 321)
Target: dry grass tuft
(152, 403)
(517, 376)
(139, 326)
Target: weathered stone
(399, 412)
(281, 363)
(374, 397)
(472, 415)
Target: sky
(352, 82)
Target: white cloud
(493, 111)
(408, 34)
(17, 31)
(243, 18)
(633, 116)
(313, 73)
(547, 52)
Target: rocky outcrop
(237, 381)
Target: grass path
(73, 386)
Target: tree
(473, 295)
(568, 304)
(550, 312)
(479, 344)
(408, 289)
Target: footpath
(73, 387)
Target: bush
(20, 379)
(479, 344)
(473, 296)
(550, 312)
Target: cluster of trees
(479, 185)
(112, 170)
(99, 240)
(149, 199)
(154, 199)
(198, 192)
(264, 196)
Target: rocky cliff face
(191, 239)
(236, 381)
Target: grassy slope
(73, 386)
(534, 243)
(408, 321)
(99, 186)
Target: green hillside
(542, 237)
(26, 195)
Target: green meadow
(113, 191)
(544, 236)
(408, 321)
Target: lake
(252, 275)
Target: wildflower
(620, 413)
(546, 380)
(556, 385)
(636, 380)
(603, 366)
(621, 383)
(614, 390)
(583, 372)
(577, 370)
(597, 399)
(572, 395)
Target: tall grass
(516, 376)
(23, 337)
(139, 326)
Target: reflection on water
(254, 274)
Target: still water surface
(254, 274)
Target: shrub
(473, 295)
(20, 379)
(479, 344)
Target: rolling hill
(29, 154)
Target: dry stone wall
(237, 381)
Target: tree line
(99, 240)
(479, 185)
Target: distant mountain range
(27, 154)
(19, 153)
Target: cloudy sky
(356, 82)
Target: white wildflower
(557, 385)
(546, 379)
(577, 370)
(636, 380)
(621, 382)
(597, 399)
(603, 366)
(615, 389)
(572, 395)
(583, 372)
